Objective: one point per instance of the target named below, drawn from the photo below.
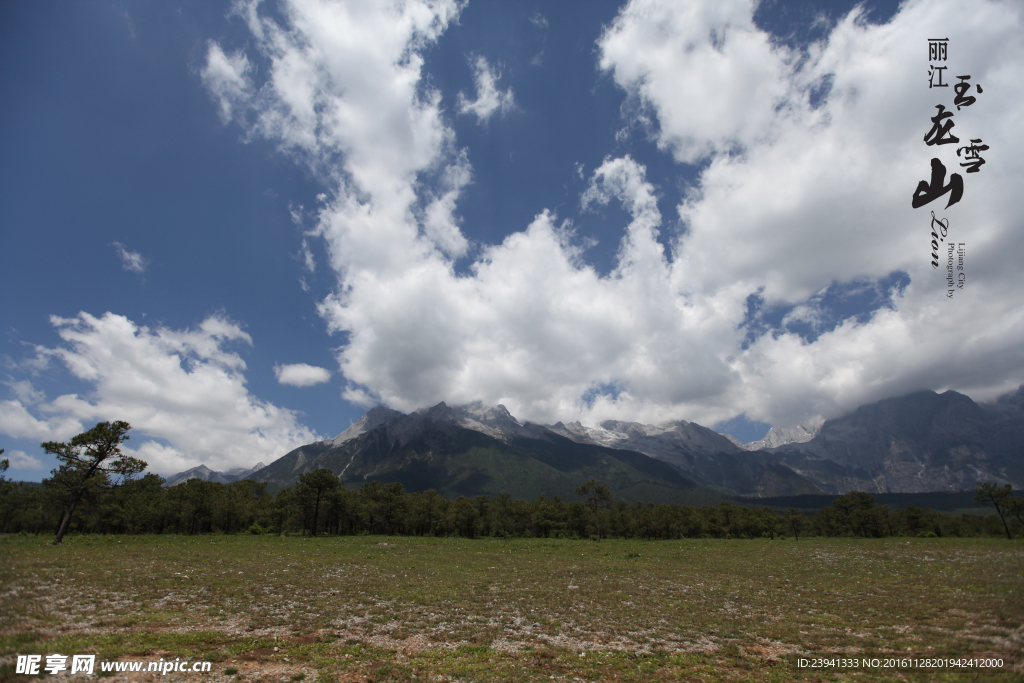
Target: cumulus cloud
(536, 328)
(800, 196)
(820, 192)
(301, 375)
(183, 392)
(714, 79)
(16, 421)
(488, 98)
(131, 260)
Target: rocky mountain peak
(371, 419)
(920, 442)
(780, 436)
(206, 474)
(242, 472)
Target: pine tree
(91, 460)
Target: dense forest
(321, 504)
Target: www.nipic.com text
(33, 664)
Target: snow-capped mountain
(473, 450)
(915, 443)
(663, 441)
(702, 454)
(495, 421)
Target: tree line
(96, 490)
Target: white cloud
(822, 195)
(17, 422)
(183, 390)
(713, 77)
(342, 80)
(488, 98)
(20, 460)
(535, 328)
(794, 199)
(131, 260)
(301, 375)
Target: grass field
(421, 609)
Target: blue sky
(239, 225)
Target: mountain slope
(700, 453)
(206, 474)
(921, 442)
(369, 420)
(430, 450)
(917, 443)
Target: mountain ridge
(916, 443)
(919, 442)
(478, 450)
(206, 474)
(780, 436)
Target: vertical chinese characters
(937, 53)
(941, 133)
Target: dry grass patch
(417, 609)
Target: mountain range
(478, 450)
(916, 443)
(206, 474)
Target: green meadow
(391, 608)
